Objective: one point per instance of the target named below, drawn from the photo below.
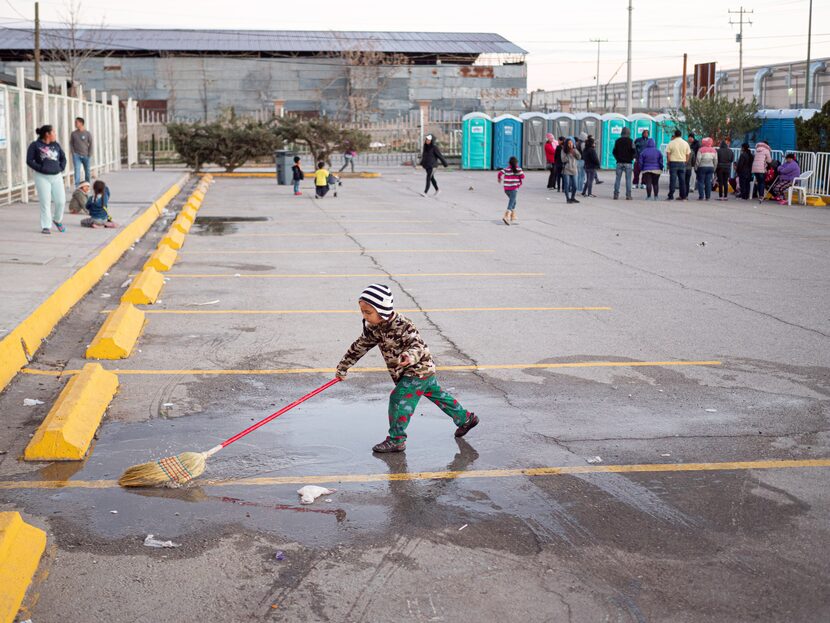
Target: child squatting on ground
(409, 363)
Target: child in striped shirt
(511, 178)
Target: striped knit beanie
(380, 297)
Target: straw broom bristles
(171, 470)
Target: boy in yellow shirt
(321, 180)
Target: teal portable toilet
(663, 130)
(477, 141)
(507, 140)
(612, 126)
(534, 128)
(641, 121)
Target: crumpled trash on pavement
(151, 542)
(31, 402)
(309, 493)
(594, 460)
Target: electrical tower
(741, 13)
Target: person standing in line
(724, 171)
(430, 157)
(80, 145)
(624, 154)
(580, 164)
(596, 174)
(639, 146)
(691, 165)
(705, 165)
(650, 162)
(48, 160)
(557, 163)
(760, 162)
(348, 159)
(297, 176)
(743, 169)
(677, 153)
(570, 158)
(550, 159)
(511, 178)
(591, 159)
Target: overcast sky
(557, 40)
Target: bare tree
(168, 71)
(70, 47)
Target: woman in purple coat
(651, 166)
(787, 173)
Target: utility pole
(37, 41)
(598, 42)
(628, 83)
(740, 39)
(809, 40)
(683, 85)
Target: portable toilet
(534, 129)
(641, 121)
(663, 129)
(612, 126)
(477, 138)
(561, 124)
(591, 124)
(507, 140)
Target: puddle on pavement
(222, 225)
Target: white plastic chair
(799, 186)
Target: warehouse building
(349, 75)
(773, 86)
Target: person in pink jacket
(763, 157)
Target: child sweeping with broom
(409, 363)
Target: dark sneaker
(472, 421)
(45, 230)
(387, 445)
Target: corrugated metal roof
(267, 41)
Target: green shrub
(814, 133)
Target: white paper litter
(213, 302)
(666, 454)
(127, 282)
(167, 404)
(462, 527)
(710, 410)
(594, 460)
(309, 493)
(151, 542)
(31, 402)
(114, 512)
(105, 295)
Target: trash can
(284, 160)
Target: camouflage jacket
(394, 337)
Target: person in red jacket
(550, 158)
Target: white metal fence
(22, 110)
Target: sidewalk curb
(65, 434)
(21, 547)
(23, 342)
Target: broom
(181, 469)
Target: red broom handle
(273, 416)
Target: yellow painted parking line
(335, 222)
(330, 235)
(458, 368)
(533, 472)
(330, 251)
(339, 276)
(276, 312)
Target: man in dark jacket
(744, 170)
(639, 145)
(557, 163)
(694, 145)
(724, 170)
(624, 154)
(430, 157)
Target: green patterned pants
(405, 397)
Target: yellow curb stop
(67, 431)
(188, 212)
(173, 239)
(162, 258)
(145, 288)
(21, 547)
(118, 335)
(182, 223)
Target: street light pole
(628, 83)
(809, 41)
(598, 42)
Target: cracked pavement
(657, 545)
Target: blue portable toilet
(612, 126)
(591, 124)
(477, 139)
(664, 127)
(561, 124)
(507, 140)
(641, 121)
(778, 127)
(534, 128)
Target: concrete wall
(194, 86)
(783, 89)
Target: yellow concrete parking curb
(162, 258)
(173, 239)
(193, 203)
(145, 288)
(21, 547)
(67, 431)
(189, 213)
(21, 343)
(118, 335)
(182, 223)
